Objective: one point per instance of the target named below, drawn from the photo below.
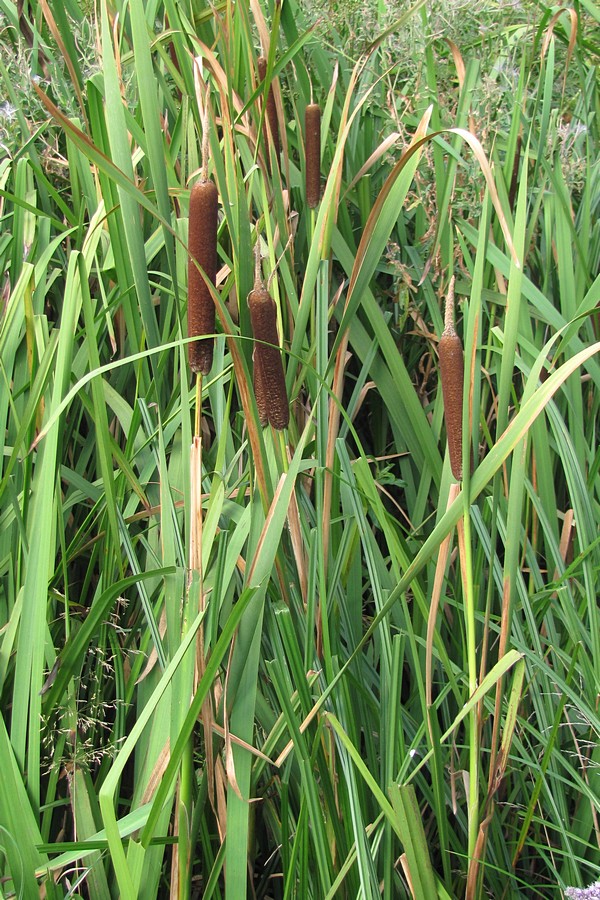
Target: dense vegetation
(306, 661)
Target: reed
(312, 138)
(269, 379)
(203, 221)
(451, 373)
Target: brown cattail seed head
(514, 182)
(202, 244)
(172, 52)
(451, 372)
(312, 130)
(259, 391)
(271, 111)
(270, 389)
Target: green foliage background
(306, 664)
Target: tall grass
(299, 659)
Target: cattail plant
(269, 380)
(271, 111)
(202, 242)
(451, 372)
(312, 149)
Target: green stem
(311, 236)
(186, 773)
(280, 447)
(198, 415)
(467, 563)
(184, 814)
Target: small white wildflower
(576, 129)
(589, 893)
(7, 111)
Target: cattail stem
(198, 414)
(312, 148)
(451, 372)
(281, 452)
(205, 140)
(449, 309)
(257, 258)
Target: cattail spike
(259, 391)
(449, 309)
(205, 140)
(451, 373)
(270, 388)
(257, 259)
(202, 243)
(312, 130)
(271, 111)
